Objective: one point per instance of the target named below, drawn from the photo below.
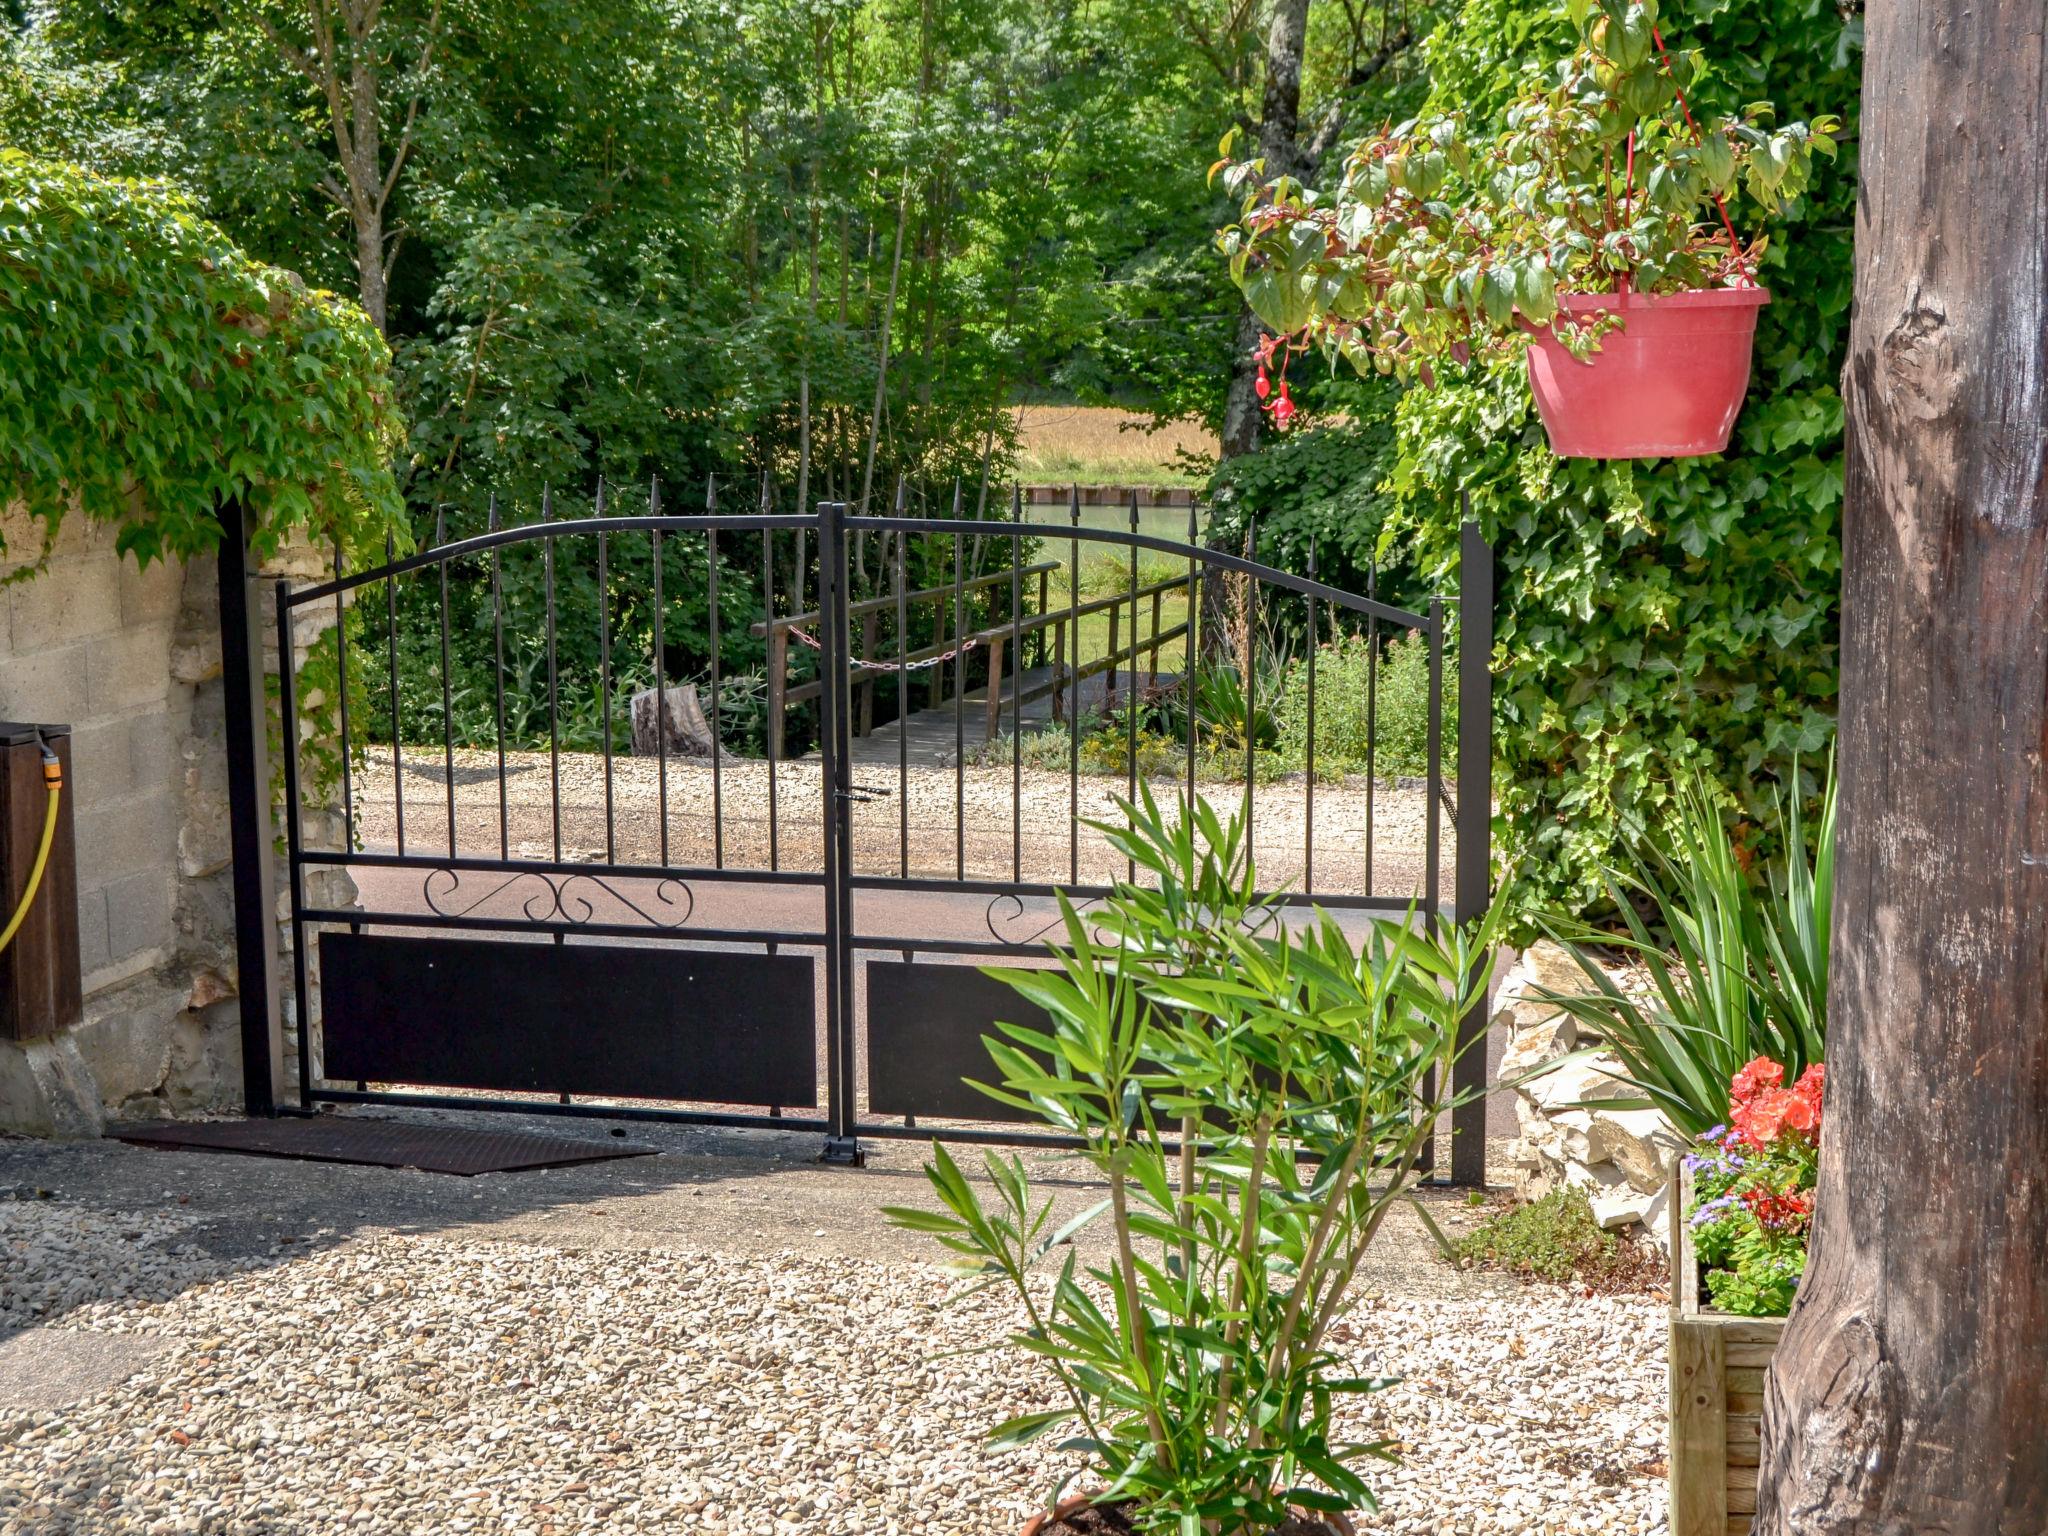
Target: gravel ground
(949, 820)
(451, 1355)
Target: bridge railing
(1054, 630)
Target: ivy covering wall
(1677, 612)
(149, 370)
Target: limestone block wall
(130, 659)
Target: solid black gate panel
(925, 1028)
(610, 1020)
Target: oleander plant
(1257, 1093)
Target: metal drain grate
(378, 1143)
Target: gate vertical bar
(241, 646)
(842, 1145)
(1472, 881)
(288, 739)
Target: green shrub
(1556, 1238)
(1349, 705)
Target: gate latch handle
(863, 794)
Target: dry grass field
(1098, 445)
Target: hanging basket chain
(1734, 242)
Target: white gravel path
(459, 1383)
(976, 820)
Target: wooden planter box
(1717, 1370)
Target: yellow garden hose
(53, 781)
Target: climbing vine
(150, 371)
(1659, 615)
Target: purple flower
(1713, 1210)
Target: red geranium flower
(1762, 1073)
(1779, 1213)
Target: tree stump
(681, 718)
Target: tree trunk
(867, 479)
(372, 274)
(1910, 1393)
(1241, 405)
(1279, 130)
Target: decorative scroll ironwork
(1014, 908)
(1252, 922)
(557, 894)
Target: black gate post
(842, 1144)
(1472, 880)
(249, 823)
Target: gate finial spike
(710, 494)
(440, 526)
(767, 500)
(600, 495)
(956, 497)
(902, 495)
(491, 517)
(547, 503)
(1134, 509)
(654, 495)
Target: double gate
(494, 903)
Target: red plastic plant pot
(1666, 384)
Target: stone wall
(130, 660)
(1621, 1158)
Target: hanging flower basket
(1667, 382)
(1586, 228)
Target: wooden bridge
(1054, 682)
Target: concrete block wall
(130, 659)
(86, 641)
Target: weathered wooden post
(778, 684)
(1909, 1394)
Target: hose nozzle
(53, 767)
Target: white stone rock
(1640, 1141)
(1579, 1081)
(1532, 1045)
(1623, 1208)
(127, 1051)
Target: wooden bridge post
(995, 685)
(1044, 592)
(1059, 669)
(868, 632)
(778, 685)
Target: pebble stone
(453, 1383)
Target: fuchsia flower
(1283, 408)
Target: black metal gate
(492, 905)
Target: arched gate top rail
(483, 543)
